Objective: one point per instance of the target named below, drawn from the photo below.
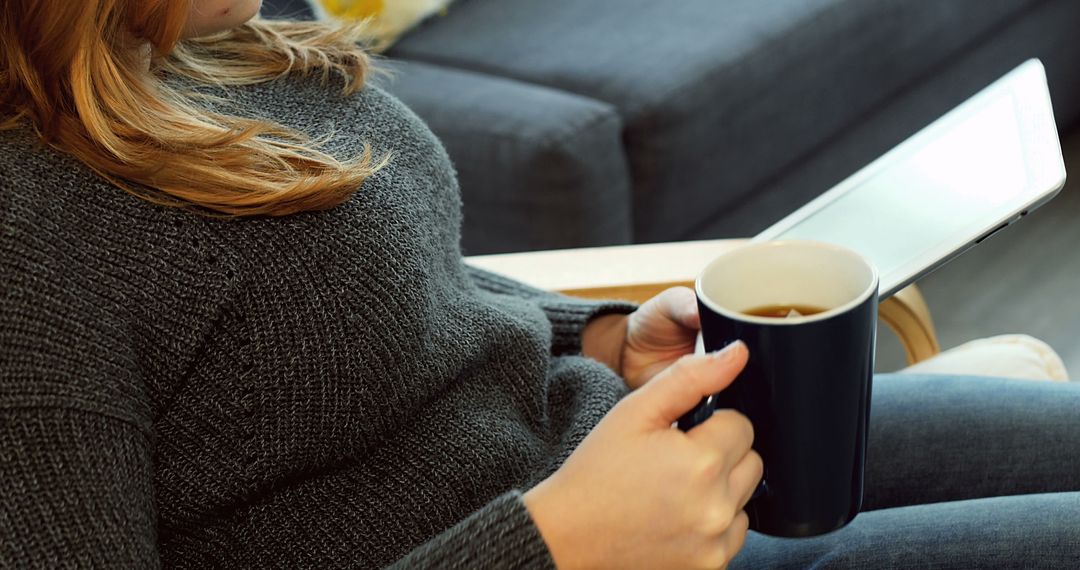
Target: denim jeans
(962, 472)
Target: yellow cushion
(387, 19)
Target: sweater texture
(328, 389)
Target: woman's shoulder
(322, 109)
(34, 175)
(23, 155)
(64, 222)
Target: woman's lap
(978, 449)
(936, 438)
(1019, 531)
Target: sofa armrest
(638, 272)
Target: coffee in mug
(784, 311)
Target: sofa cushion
(715, 97)
(538, 167)
(1048, 32)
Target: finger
(680, 305)
(733, 540)
(745, 477)
(719, 550)
(727, 431)
(682, 385)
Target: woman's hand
(639, 345)
(659, 333)
(638, 494)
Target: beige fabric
(1008, 356)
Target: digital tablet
(968, 175)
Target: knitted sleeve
(77, 490)
(75, 452)
(500, 535)
(568, 315)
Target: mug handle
(700, 413)
(697, 414)
(704, 409)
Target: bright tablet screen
(952, 184)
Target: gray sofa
(597, 122)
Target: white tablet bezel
(1042, 157)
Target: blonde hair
(73, 70)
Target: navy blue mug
(807, 312)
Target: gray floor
(1023, 280)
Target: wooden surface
(636, 273)
(613, 268)
(907, 314)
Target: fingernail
(730, 351)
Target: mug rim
(872, 288)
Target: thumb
(682, 385)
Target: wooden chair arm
(638, 272)
(908, 316)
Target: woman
(236, 330)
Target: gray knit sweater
(329, 389)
